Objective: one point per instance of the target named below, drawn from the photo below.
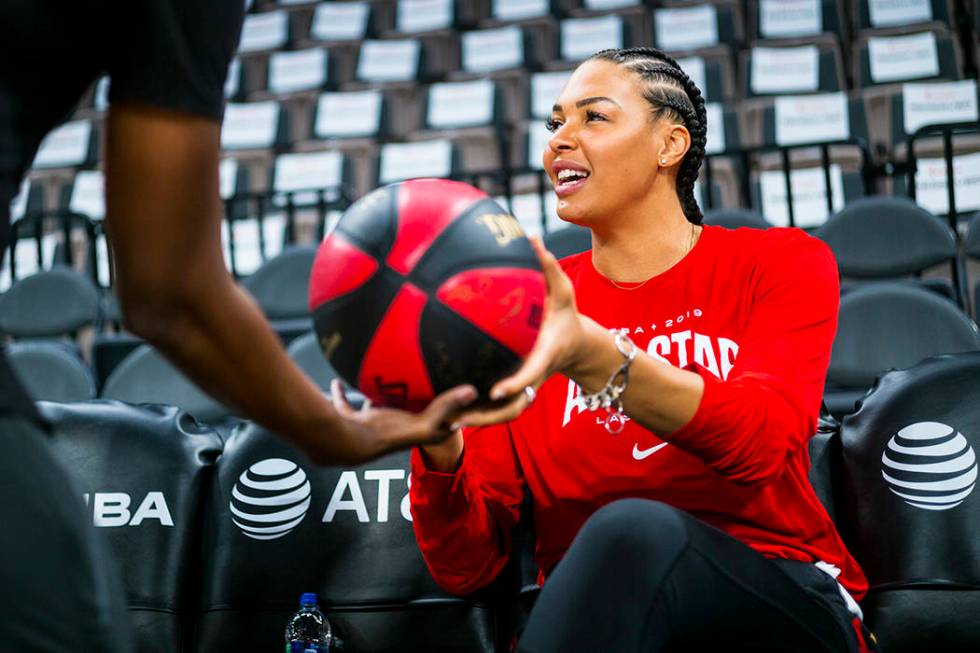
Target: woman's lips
(567, 188)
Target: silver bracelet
(610, 396)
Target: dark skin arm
(163, 217)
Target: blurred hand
(558, 347)
(373, 432)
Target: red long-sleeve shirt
(754, 313)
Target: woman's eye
(552, 125)
(594, 115)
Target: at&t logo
(930, 465)
(270, 498)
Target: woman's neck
(636, 247)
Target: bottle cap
(308, 598)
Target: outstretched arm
(163, 220)
(744, 427)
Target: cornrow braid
(674, 96)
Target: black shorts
(171, 54)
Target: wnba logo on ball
(270, 498)
(930, 465)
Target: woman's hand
(559, 347)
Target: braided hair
(674, 97)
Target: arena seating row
(211, 561)
(485, 92)
(892, 314)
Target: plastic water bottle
(308, 628)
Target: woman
(677, 513)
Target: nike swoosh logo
(640, 454)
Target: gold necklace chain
(690, 246)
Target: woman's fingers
(535, 369)
(496, 414)
(339, 399)
(443, 409)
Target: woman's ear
(677, 140)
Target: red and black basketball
(425, 285)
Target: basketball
(422, 286)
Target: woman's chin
(573, 212)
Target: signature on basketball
(505, 228)
(395, 393)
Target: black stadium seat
(146, 377)
(305, 352)
(50, 303)
(735, 218)
(892, 237)
(51, 371)
(890, 325)
(341, 532)
(971, 248)
(907, 505)
(281, 287)
(144, 472)
(568, 240)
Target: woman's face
(603, 155)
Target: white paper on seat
(248, 254)
(789, 18)
(930, 183)
(308, 171)
(583, 37)
(460, 104)
(340, 21)
(227, 177)
(234, 79)
(274, 232)
(939, 103)
(18, 206)
(297, 70)
(519, 9)
(250, 125)
(911, 56)
(809, 195)
(537, 142)
(67, 145)
(344, 115)
(265, 31)
(716, 128)
(811, 118)
(596, 5)
(889, 13)
(486, 50)
(424, 15)
(88, 194)
(785, 70)
(686, 28)
(410, 160)
(694, 67)
(101, 102)
(389, 61)
(25, 254)
(102, 267)
(545, 89)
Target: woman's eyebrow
(585, 102)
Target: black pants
(643, 576)
(58, 592)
